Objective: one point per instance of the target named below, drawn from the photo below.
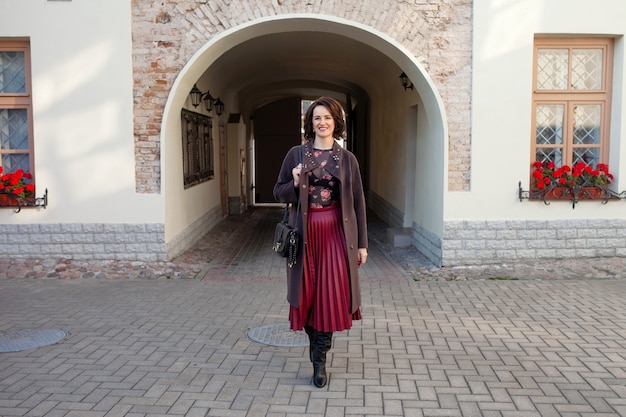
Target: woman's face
(323, 122)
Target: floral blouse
(323, 187)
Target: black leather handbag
(286, 236)
(286, 240)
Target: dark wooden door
(277, 127)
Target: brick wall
(166, 33)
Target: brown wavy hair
(336, 111)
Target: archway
(253, 64)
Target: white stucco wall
(184, 208)
(388, 131)
(235, 146)
(82, 108)
(501, 106)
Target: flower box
(17, 191)
(579, 182)
(8, 200)
(576, 183)
(585, 193)
(547, 176)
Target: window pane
(13, 162)
(571, 99)
(13, 129)
(552, 65)
(197, 141)
(587, 69)
(549, 154)
(587, 118)
(549, 124)
(590, 156)
(12, 74)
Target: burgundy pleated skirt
(325, 300)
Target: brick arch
(167, 33)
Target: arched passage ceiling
(276, 65)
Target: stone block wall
(384, 210)
(483, 242)
(90, 241)
(428, 243)
(495, 242)
(192, 234)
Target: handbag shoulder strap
(286, 211)
(298, 212)
(298, 203)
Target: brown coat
(352, 209)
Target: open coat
(345, 167)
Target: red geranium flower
(17, 183)
(547, 174)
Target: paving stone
(433, 342)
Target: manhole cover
(29, 339)
(278, 335)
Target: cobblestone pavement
(171, 339)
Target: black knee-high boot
(321, 346)
(310, 331)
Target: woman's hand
(296, 174)
(362, 257)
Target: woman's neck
(323, 143)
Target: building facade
(101, 112)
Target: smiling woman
(325, 187)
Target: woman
(323, 285)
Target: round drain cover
(29, 339)
(278, 335)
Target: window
(16, 142)
(197, 136)
(571, 100)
